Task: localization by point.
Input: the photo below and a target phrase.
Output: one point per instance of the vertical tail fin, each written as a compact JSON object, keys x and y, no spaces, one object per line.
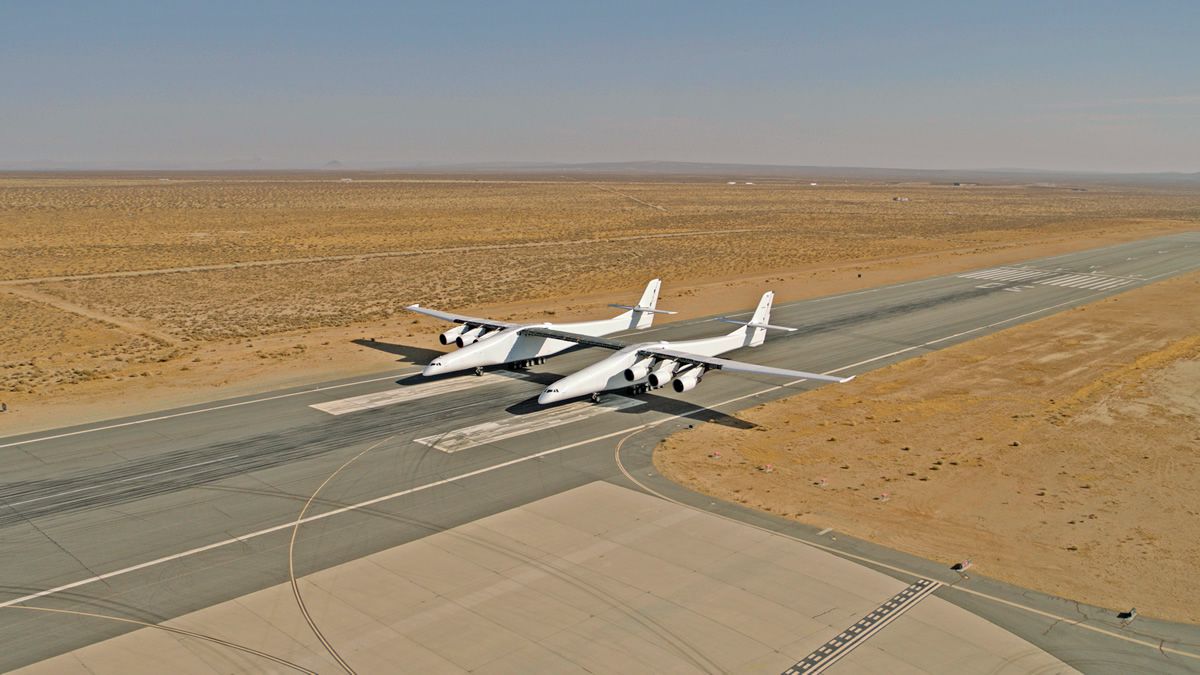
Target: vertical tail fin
{"x":649,"y":300}
{"x":642,"y":314}
{"x":753,"y":332}
{"x":762,"y":316}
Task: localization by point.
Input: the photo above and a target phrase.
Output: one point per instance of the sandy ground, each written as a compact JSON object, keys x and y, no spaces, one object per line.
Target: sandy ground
{"x":122,"y":294}
{"x":148,"y":373}
{"x":1059,"y":455}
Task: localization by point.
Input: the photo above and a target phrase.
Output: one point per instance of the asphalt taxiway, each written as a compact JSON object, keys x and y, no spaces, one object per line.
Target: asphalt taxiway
{"x":158,"y":515}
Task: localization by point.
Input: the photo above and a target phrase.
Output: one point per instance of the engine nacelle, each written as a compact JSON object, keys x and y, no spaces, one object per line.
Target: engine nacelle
{"x":469,"y":336}
{"x":687,"y":380}
{"x":450,"y":335}
{"x":639,"y":369}
{"x":663,"y":373}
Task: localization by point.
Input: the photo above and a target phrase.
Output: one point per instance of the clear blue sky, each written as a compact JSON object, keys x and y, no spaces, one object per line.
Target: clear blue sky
{"x":1086,"y":85}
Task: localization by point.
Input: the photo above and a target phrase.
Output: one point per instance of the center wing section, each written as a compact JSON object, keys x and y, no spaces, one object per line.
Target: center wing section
{"x":585,"y":340}
{"x":713,"y":363}
{"x":460,"y":318}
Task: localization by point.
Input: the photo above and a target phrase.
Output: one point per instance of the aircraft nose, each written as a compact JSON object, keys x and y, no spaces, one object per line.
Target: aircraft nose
{"x":550,"y":396}
{"x":434,"y":368}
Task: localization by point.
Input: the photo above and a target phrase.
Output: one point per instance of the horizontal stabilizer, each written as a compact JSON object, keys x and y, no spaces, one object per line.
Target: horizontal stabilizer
{"x":649,"y":310}
{"x":755,"y":325}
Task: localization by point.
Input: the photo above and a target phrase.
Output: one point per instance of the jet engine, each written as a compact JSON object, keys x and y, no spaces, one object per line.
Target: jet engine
{"x":639,"y":369}
{"x":663,"y":373}
{"x":469,"y":336}
{"x":688,"y":379}
{"x":449,"y":336}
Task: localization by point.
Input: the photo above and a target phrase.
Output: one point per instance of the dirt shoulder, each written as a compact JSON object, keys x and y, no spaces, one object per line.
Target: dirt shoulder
{"x":1060,"y":455}
{"x":156,"y":376}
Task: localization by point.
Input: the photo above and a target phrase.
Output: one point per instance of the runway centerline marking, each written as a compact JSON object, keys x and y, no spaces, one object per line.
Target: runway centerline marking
{"x":492,"y":432}
{"x":401,"y":394}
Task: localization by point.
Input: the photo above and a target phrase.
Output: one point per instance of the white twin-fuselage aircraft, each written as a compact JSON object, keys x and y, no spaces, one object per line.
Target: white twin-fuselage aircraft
{"x":650,"y":365}
{"x":637,"y":367}
{"x":484,"y":342}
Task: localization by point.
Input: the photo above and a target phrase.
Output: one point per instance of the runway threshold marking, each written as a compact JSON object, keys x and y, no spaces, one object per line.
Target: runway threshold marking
{"x":401,"y":394}
{"x":1007,"y":274}
{"x":491,"y":432}
{"x":242,"y":539}
{"x":1087,"y":281}
{"x":848,"y":640}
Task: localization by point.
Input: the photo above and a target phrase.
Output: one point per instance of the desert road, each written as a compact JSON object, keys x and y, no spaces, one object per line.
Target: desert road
{"x":155,"y":516}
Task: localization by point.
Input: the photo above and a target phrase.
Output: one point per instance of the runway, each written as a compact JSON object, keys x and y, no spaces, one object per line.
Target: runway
{"x":158,"y":515}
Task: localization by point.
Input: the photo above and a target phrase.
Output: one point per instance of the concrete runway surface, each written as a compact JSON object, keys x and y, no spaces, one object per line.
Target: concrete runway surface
{"x":156,"y":516}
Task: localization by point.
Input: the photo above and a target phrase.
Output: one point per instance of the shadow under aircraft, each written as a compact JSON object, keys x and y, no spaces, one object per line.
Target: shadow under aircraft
{"x":649,"y":402}
{"x":416,"y":355}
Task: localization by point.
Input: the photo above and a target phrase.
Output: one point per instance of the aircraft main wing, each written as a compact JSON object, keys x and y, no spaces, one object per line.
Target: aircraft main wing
{"x":460,"y":318}
{"x":585,"y":340}
{"x":714,"y":363}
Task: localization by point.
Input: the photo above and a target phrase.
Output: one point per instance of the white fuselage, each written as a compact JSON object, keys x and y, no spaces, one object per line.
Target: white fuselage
{"x":509,"y":345}
{"x":610,"y":373}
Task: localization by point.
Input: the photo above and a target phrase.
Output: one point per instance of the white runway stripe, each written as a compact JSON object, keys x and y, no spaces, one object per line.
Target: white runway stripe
{"x":1086,"y":281}
{"x":1006,"y":274}
{"x":405,"y":393}
{"x":490,"y":432}
{"x":1066,"y":280}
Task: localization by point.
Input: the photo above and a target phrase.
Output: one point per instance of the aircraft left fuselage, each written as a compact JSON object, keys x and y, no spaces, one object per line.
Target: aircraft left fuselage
{"x":488,"y":342}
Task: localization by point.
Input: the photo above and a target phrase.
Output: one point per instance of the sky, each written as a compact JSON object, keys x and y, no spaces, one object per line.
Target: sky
{"x":1092,"y":86}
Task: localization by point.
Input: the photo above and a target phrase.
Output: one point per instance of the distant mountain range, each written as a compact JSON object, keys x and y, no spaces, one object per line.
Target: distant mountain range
{"x":638,"y":168}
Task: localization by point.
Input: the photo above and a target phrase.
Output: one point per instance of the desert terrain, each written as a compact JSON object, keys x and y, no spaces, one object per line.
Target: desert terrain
{"x":122,"y":293}
{"x":1060,"y":455}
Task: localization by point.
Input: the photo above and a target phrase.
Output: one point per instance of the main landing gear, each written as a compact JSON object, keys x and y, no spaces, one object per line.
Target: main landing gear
{"x":479,"y":371}
{"x":522,"y":365}
{"x":595,"y":397}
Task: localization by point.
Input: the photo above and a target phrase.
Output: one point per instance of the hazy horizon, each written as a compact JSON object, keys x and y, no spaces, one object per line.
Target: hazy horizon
{"x":1094,"y":87}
